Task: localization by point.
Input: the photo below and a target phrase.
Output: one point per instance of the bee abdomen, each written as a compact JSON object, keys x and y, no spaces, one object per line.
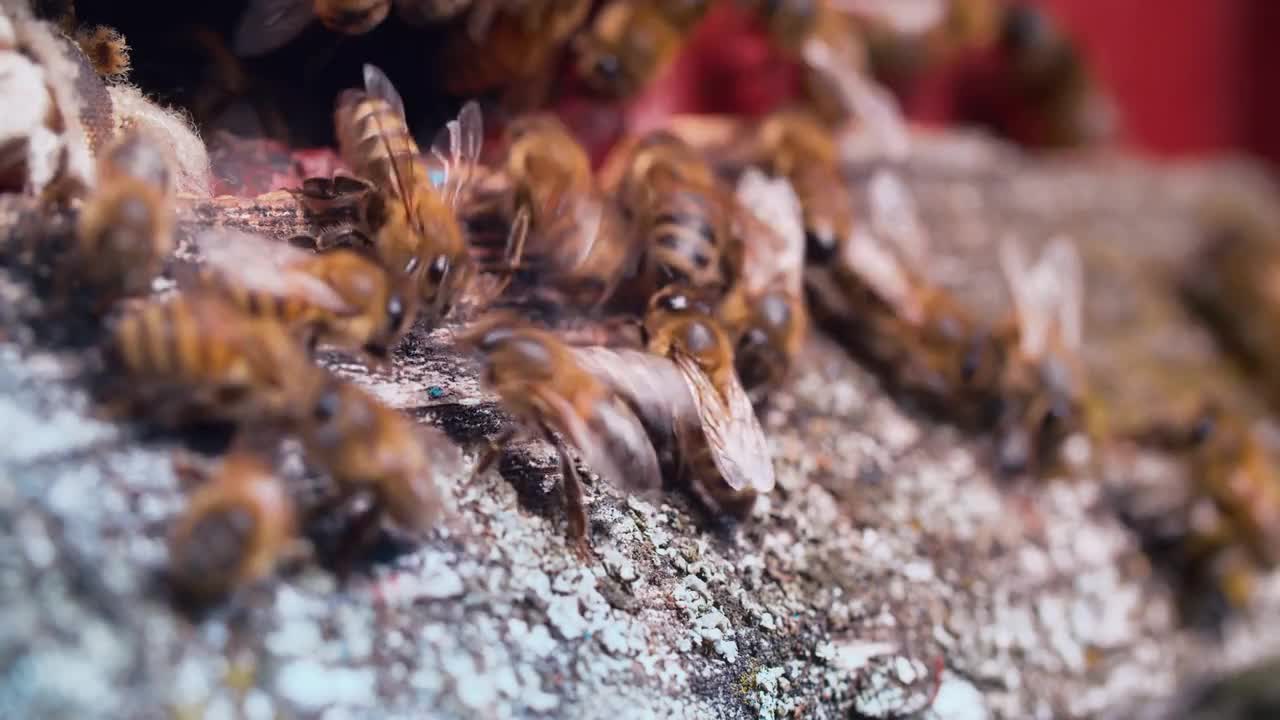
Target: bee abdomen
{"x":210,"y":556}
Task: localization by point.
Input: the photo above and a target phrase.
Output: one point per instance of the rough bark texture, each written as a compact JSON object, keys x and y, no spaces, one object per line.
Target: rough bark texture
{"x":890,"y":569}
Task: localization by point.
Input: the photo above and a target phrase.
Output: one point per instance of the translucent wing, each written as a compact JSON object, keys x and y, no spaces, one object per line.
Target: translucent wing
{"x":269,"y":24}
{"x":651,"y":384}
{"x":1059,"y":281}
{"x":882,"y":271}
{"x":895,"y":217}
{"x":909,"y":17}
{"x":457,"y":150}
{"x":778,"y":251}
{"x":1033,"y":322}
{"x":378,"y":85}
{"x":732,"y":431}
{"x":871,"y":104}
{"x":622,"y":437}
{"x":255,"y":263}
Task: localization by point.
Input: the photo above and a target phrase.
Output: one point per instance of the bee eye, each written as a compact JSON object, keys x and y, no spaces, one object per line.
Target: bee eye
{"x":326,"y":407}
{"x":439,"y":268}
{"x":395,"y":311}
{"x":675,"y":303}
{"x":607,"y":68}
{"x":819,"y":246}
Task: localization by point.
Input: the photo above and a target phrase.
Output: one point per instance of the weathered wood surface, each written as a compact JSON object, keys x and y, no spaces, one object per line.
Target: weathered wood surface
{"x":889,"y":557}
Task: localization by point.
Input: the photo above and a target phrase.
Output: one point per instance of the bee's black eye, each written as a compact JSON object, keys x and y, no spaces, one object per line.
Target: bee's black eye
{"x":326,"y":407}
{"x":439,"y":268}
{"x":820,"y":246}
{"x":607,"y":68}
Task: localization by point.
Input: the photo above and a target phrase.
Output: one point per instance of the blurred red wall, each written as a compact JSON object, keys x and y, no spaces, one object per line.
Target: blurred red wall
{"x":1187,"y":75}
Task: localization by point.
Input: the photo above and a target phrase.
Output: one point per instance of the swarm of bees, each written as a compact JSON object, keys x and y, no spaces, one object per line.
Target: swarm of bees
{"x":635,"y":318}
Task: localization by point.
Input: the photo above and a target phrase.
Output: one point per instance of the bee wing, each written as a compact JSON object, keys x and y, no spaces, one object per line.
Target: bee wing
{"x":1024,"y":291}
{"x":268,"y":24}
{"x":650,"y":384}
{"x":870,"y":103}
{"x":1059,"y":279}
{"x":882,"y":270}
{"x":622,"y":437}
{"x":378,"y":85}
{"x":779,"y":249}
{"x":457,"y":149}
{"x":909,"y":17}
{"x":894,"y":216}
{"x":732,"y":430}
{"x":255,"y":263}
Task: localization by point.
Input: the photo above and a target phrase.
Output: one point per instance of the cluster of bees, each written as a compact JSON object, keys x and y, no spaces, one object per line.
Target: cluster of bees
{"x":634,"y":317}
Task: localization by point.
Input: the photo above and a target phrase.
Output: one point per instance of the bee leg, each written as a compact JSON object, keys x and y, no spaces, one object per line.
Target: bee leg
{"x":574,"y":502}
{"x":496,"y":446}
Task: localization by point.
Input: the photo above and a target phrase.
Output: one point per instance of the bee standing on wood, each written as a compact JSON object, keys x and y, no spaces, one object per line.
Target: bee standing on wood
{"x":235,"y":529}
{"x":125,"y":230}
{"x":339,"y":297}
{"x":540,"y":382}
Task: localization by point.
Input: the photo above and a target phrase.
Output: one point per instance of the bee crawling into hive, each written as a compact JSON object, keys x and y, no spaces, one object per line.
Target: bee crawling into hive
{"x":541,"y":382}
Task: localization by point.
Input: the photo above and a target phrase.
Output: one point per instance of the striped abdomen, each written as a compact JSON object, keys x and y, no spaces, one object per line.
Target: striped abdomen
{"x":683,"y":238}
{"x":371,"y":134}
{"x":183,"y":340}
{"x":295,"y":313}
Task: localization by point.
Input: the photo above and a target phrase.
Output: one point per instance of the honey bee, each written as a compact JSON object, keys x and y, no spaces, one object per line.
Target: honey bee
{"x":717,"y":447}
{"x":1043,"y":384}
{"x":198,"y":358}
{"x":510,"y":46}
{"x":341,"y":297}
{"x":795,"y":145}
{"x":234,"y":531}
{"x":540,"y":383}
{"x":579,"y":244}
{"x":412,"y":222}
{"x":916,"y":334}
{"x":370,"y":449}
{"x":1231,"y":470}
{"x":630,"y":43}
{"x":269,"y":24}
{"x":681,"y":213}
{"x":765,"y":309}
{"x":125,"y":230}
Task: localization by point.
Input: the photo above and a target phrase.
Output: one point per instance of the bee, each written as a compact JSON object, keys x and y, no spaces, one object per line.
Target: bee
{"x":412,"y":222}
{"x":924,"y":343}
{"x":234,"y":531}
{"x":269,"y":24}
{"x":510,"y":46}
{"x":765,"y":310}
{"x":198,"y":358}
{"x":370,"y":449}
{"x":1043,"y":384}
{"x":539,"y":381}
{"x":723,"y":453}
{"x":580,"y":243}
{"x":124,"y":232}
{"x":794,"y":144}
{"x":630,"y":43}
{"x":1232,"y":521}
{"x":681,"y":213}
{"x":340,"y":298}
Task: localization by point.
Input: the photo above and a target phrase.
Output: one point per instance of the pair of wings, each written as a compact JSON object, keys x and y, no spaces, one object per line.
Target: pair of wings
{"x":668,"y":394}
{"x":455,"y":153}
{"x":1048,"y":295}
